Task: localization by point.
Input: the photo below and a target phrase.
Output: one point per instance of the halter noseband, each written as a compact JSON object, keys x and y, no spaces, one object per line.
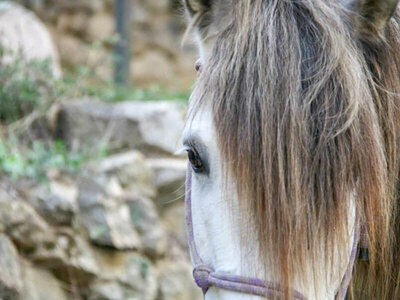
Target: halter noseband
{"x":205,"y":277}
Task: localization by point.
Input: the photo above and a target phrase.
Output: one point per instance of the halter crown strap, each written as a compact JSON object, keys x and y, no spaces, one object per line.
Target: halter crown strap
{"x":205,"y":277}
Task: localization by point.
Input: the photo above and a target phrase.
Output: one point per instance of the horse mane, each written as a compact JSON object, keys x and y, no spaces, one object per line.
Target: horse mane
{"x":307,"y":113}
{"x":379,"y":279}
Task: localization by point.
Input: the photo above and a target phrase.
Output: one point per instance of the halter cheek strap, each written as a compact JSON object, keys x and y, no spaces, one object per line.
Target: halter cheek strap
{"x":205,"y":277}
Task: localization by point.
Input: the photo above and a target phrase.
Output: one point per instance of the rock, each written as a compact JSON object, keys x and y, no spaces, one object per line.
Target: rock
{"x":46,"y":8}
{"x":114,"y":290}
{"x":10,"y":270}
{"x":112,"y":186}
{"x":62,"y":251}
{"x":156,"y":28}
{"x":105,"y":219}
{"x":107,"y":290}
{"x":39,"y":284}
{"x":117,"y":234}
{"x":124,"y":276}
{"x":145,"y":218}
{"x":81,"y":262}
{"x":24,"y":36}
{"x":131,"y":170}
{"x":169,"y":178}
{"x":76,"y":23}
{"x":72,"y":50}
{"x":173,"y":220}
{"x":142,"y":68}
{"x":157,"y":5}
{"x":48,"y":253}
{"x":100,"y":27}
{"x":154,"y":127}
{"x":56,"y":202}
{"x":100,"y":62}
{"x":75,"y":264}
{"x":123,"y":235}
{"x":141,"y":15}
{"x":92,"y":215}
{"x":25,"y":227}
{"x":77,"y":52}
{"x":176,"y":283}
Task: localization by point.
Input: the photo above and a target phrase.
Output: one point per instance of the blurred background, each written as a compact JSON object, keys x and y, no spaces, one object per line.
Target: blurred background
{"x":93,"y":95}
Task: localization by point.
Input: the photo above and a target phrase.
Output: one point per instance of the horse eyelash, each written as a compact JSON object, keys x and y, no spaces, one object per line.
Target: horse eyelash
{"x":182,"y":150}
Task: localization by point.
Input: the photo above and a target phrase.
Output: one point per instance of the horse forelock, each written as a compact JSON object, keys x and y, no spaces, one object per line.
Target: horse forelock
{"x":305,"y":114}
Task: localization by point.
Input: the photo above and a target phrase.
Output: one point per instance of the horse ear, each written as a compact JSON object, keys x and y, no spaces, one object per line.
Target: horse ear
{"x":194,"y":7}
{"x":208,"y":16}
{"x":373,"y":15}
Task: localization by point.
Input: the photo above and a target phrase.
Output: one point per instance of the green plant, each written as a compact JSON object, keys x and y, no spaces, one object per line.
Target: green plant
{"x":35,"y":160}
{"x":28,"y":89}
{"x":24,"y":86}
{"x":110,"y":92}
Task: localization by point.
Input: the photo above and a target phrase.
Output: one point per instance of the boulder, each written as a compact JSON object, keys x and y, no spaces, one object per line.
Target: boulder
{"x":23,"y":35}
{"x":106,"y":219}
{"x":10,"y":270}
{"x":154,"y":127}
{"x":176,"y":281}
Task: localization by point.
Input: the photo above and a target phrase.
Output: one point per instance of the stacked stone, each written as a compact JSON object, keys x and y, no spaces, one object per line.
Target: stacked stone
{"x":84,"y":30}
{"x":115,"y":233}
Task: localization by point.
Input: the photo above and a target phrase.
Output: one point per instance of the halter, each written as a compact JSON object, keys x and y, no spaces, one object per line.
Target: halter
{"x":205,"y":277}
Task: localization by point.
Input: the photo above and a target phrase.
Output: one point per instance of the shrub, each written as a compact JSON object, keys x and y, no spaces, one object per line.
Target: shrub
{"x":36,"y":159}
{"x":24,"y":86}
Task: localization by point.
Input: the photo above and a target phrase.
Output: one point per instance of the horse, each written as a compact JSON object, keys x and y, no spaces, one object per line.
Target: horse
{"x":293,"y":139}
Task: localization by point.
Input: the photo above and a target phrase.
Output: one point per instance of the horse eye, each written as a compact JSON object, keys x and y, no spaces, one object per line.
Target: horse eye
{"x":197,"y":66}
{"x":195,"y":161}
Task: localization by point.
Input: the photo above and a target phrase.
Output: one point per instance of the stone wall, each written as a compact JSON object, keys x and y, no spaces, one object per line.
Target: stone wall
{"x":83,"y":32}
{"x":113,"y":231}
